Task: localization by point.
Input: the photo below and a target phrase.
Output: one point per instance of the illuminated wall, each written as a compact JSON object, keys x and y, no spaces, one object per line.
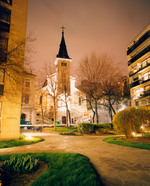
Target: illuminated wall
{"x":138,"y":55}
{"x":13,"y":31}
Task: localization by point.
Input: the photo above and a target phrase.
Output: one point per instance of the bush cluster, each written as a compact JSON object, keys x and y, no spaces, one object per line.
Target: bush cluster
{"x":129,"y":120}
{"x":89,"y":128}
{"x":21,"y":164}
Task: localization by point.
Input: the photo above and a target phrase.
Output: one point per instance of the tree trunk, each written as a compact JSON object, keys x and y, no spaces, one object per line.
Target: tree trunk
{"x":54,"y":113}
{"x":93,"y":116}
{"x":96,"y":112}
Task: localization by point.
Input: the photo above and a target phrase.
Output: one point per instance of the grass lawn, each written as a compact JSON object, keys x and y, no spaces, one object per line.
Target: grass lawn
{"x":65,"y":169}
{"x":20,"y":142}
{"x":126,"y":143}
{"x":62,"y":129}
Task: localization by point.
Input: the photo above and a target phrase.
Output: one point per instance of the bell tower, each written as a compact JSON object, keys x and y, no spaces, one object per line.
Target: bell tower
{"x":62,"y":63}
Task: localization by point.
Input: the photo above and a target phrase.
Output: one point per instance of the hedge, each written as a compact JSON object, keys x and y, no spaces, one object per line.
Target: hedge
{"x":129,"y":120}
{"x":89,"y":128}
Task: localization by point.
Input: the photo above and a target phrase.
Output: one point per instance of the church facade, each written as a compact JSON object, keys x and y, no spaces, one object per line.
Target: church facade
{"x":59,"y":99}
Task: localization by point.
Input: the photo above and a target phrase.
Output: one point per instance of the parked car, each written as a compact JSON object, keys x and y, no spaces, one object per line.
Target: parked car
{"x":22,"y":122}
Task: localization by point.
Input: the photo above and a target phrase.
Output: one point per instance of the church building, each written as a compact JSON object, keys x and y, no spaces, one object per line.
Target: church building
{"x":59,"y":98}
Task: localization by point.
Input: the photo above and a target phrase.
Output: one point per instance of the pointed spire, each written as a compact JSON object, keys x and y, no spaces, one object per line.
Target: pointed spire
{"x":62,"y":49}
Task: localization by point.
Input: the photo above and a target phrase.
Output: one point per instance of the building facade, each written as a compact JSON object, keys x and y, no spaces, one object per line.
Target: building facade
{"x":13,"y":21}
{"x":138,"y":55}
{"x":28,"y":110}
{"x":59,"y":96}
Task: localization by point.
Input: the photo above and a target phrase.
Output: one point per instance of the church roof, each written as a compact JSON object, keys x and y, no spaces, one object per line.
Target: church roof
{"x":62,"y":49}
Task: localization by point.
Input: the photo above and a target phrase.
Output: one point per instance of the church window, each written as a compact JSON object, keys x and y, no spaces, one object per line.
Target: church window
{"x":80,"y":101}
{"x":41,"y":97}
{"x":63,"y":64}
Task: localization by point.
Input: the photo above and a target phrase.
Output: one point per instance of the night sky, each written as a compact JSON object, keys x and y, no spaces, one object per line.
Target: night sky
{"x":102,"y":26}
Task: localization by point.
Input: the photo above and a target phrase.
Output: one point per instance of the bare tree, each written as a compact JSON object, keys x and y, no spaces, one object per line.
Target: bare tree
{"x":99,"y":79}
{"x":12,"y":64}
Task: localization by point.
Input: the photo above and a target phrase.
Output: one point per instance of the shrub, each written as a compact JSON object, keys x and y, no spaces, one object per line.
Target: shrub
{"x":20,"y":164}
{"x":129,"y":120}
{"x":89,"y":128}
{"x":86,"y":128}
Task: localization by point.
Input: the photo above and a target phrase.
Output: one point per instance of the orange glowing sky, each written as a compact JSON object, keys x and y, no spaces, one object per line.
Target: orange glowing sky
{"x":91,"y":25}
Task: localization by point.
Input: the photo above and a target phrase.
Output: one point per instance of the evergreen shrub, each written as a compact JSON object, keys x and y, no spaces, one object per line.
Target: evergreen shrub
{"x":129,"y":120}
{"x":89,"y":128}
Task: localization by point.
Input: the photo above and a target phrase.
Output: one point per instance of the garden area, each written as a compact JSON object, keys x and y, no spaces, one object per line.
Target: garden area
{"x":57,"y":169}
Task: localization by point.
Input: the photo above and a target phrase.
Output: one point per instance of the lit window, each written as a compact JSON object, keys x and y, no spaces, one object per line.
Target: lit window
{"x":146,"y":76}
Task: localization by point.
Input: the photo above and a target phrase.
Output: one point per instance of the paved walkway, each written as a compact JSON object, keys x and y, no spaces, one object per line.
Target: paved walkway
{"x":117,"y":165}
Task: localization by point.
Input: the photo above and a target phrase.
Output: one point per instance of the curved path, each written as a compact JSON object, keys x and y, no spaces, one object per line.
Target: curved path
{"x":117,"y":165}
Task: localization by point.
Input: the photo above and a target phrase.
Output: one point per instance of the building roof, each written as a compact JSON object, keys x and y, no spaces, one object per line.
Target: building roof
{"x":62,"y":49}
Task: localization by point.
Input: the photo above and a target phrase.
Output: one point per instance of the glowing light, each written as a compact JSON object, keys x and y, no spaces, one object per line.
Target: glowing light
{"x":142,"y":127}
{"x":28,"y":137}
{"x":133,"y":133}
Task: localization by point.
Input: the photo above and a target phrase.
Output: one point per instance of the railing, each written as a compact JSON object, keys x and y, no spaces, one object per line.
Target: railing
{"x":145,"y":93}
{"x":131,"y":73}
{"x":139,"y":81}
{"x":140,"y":54}
{"x":141,"y":40}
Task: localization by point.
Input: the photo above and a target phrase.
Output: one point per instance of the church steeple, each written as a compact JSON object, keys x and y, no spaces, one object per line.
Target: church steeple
{"x":62,"y":49}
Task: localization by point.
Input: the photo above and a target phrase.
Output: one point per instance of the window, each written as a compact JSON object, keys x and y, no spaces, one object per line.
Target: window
{"x":2,"y":74}
{"x":26,"y":98}
{"x":5,"y":14}
{"x":63,"y":64}
{"x":80,"y":101}
{"x":146,"y":76}
{"x":27,"y":84}
{"x":7,"y":1}
{"x":3,"y":48}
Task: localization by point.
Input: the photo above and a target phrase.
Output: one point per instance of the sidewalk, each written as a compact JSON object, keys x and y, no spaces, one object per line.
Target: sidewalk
{"x":117,"y":165}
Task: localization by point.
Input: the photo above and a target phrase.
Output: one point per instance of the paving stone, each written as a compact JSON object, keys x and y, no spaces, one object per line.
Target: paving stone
{"x":117,"y":165}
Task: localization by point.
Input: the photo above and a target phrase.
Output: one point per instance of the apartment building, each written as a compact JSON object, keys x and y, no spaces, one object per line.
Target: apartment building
{"x":138,"y":55}
{"x":13,"y":21}
{"x":28,"y":98}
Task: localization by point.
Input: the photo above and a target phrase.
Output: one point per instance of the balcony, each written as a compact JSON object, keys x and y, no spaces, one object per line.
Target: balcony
{"x":145,"y":93}
{"x":141,"y":40}
{"x":135,"y":83}
{"x":139,"y":81}
{"x":131,"y":73}
{"x":140,"y":54}
{"x":7,"y":1}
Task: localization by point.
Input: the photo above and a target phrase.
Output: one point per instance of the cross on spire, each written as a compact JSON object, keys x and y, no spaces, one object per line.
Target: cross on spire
{"x":63,"y":28}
